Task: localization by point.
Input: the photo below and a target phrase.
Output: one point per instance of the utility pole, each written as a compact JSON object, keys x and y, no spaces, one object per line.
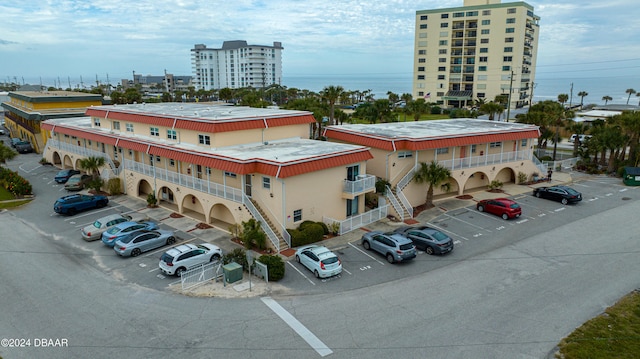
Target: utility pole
{"x":531,"y":96}
{"x":571,"y":96}
{"x":509,"y":97}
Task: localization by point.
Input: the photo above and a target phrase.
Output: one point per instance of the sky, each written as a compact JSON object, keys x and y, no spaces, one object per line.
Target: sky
{"x":44,"y":41}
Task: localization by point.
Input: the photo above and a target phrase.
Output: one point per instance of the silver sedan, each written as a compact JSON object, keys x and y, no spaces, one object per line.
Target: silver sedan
{"x":136,"y":243}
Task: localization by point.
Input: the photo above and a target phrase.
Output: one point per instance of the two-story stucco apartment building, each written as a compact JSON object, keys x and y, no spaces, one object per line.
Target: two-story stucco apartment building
{"x":222,"y":164}
{"x":227,"y":164}
{"x":476,"y":152}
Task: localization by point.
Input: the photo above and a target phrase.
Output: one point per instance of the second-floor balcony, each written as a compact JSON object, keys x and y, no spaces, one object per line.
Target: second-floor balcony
{"x":486,"y":160}
{"x":363,"y":184}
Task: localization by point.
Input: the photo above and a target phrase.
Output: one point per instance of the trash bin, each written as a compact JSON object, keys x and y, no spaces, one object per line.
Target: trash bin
{"x":232,"y":272}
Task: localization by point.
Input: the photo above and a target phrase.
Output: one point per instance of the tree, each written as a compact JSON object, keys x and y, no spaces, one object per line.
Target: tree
{"x":417,"y":108}
{"x":92,"y":165}
{"x":432,"y":174}
{"x":6,"y":153}
{"x":578,"y":128}
{"x":226,"y":94}
{"x":582,"y":95}
{"x":492,"y":108}
{"x":630,"y":92}
{"x":331,"y":94}
{"x":559,"y":116}
{"x":606,"y":99}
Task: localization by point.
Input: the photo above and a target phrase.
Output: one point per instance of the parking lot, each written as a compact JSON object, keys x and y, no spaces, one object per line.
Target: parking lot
{"x":475,"y":234}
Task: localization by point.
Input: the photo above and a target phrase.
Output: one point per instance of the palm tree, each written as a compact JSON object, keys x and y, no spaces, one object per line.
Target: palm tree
{"x":630,"y":92}
{"x":558,"y":118}
{"x":92,"y":165}
{"x":492,"y":108}
{"x":578,"y":128}
{"x":582,"y":95}
{"x":606,"y":99}
{"x":6,"y":153}
{"x":417,"y":108}
{"x":432,"y":174}
{"x":638,"y":95}
{"x":331,"y":94}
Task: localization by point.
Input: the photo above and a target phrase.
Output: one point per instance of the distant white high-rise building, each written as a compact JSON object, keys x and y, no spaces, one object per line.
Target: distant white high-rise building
{"x":478,"y":51}
{"x":236,"y":65}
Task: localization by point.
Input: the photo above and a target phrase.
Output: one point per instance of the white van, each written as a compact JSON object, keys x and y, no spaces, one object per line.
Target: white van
{"x":582,"y":138}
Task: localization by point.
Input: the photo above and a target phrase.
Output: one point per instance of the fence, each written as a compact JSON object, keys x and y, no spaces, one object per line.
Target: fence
{"x":198,"y":275}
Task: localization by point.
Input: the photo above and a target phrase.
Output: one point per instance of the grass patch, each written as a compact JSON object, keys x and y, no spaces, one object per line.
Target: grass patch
{"x":5,"y":195}
{"x":613,"y":334}
{"x":13,"y":204}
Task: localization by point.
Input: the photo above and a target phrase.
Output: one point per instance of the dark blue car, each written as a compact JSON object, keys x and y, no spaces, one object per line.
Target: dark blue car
{"x":75,"y":203}
{"x":64,"y":175}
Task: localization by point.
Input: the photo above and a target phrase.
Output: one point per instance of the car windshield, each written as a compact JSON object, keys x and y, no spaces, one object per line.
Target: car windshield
{"x":202,"y":247}
{"x":330,"y":260}
{"x":439,"y":236}
{"x":406,"y":246}
{"x":514,"y":206}
{"x":97,"y":224}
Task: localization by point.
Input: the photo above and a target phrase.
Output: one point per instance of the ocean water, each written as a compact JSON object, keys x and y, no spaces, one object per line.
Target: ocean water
{"x":545,"y":88}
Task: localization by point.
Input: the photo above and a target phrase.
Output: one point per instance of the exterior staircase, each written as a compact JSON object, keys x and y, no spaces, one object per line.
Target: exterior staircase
{"x":407,"y":210}
{"x":267,"y":221}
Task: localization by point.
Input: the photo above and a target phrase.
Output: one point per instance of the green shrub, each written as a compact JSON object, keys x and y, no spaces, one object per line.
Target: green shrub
{"x":298,"y":237}
{"x":305,"y":224}
{"x":113,"y":186}
{"x":252,"y":234}
{"x":95,"y":184}
{"x":237,"y":255}
{"x":314,"y":232}
{"x":275,"y":266}
{"x":381,"y":186}
{"x":495,"y":184}
{"x":522,"y":177}
{"x":14,"y":183}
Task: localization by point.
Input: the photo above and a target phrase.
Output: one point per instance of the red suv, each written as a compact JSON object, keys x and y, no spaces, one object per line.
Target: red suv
{"x":502,"y":207}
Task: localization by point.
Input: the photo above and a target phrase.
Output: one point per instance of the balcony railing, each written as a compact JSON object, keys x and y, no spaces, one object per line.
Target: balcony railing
{"x":83,"y":152}
{"x":357,"y":221}
{"x":364,"y":183}
{"x":477,"y":161}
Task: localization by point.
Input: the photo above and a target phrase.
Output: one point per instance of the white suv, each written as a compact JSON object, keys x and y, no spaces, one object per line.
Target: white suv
{"x":186,"y":256}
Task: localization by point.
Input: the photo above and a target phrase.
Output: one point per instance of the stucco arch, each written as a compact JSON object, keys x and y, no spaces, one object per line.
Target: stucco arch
{"x":144,"y":188}
{"x":222,"y":216}
{"x":56,"y":160}
{"x":192,"y":206}
{"x":67,"y":162}
{"x":476,"y":181}
{"x":506,"y":175}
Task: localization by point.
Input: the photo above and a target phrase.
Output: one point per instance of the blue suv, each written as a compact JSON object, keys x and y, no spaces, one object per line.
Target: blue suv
{"x":75,"y":203}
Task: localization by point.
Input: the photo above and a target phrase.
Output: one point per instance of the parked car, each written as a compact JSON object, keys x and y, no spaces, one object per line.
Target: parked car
{"x":581,"y":138}
{"x":428,"y":239}
{"x":64,"y":175}
{"x":121,"y":230}
{"x":94,"y":231}
{"x":23,"y":147}
{"x":137,"y":242}
{"x":319,"y":260}
{"x":394,"y":246}
{"x":77,"y":182}
{"x":15,"y":141}
{"x":75,"y":203}
{"x":2,"y":131}
{"x":502,"y":207}
{"x":186,"y":256}
{"x":563,"y":194}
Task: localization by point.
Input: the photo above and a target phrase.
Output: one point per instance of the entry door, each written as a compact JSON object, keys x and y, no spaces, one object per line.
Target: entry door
{"x":247,"y":185}
{"x":353,"y":172}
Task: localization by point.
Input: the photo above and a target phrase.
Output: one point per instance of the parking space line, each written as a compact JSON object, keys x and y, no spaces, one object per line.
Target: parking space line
{"x":302,"y":274}
{"x":346,"y":271}
{"x":447,"y":231}
{"x":85,"y":214}
{"x":365,"y":253}
{"x":469,"y":223}
{"x":295,"y":324}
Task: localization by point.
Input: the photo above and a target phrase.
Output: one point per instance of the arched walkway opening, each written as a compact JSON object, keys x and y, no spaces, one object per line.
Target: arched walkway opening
{"x":221,"y":216}
{"x":192,"y":207}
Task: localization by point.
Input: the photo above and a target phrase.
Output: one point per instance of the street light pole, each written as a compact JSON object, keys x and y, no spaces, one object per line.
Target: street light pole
{"x":509,"y":97}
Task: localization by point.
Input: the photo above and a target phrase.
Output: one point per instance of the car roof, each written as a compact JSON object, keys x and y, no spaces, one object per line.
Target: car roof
{"x":181,"y":249}
{"x":125,"y":224}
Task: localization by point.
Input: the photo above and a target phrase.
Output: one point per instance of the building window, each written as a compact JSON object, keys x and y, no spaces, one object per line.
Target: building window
{"x":511,"y":20}
{"x":484,"y":50}
{"x":511,"y":10}
{"x":444,"y":16}
{"x":472,"y":13}
{"x":96,"y":122}
{"x":481,"y":86}
{"x":116,"y":125}
{"x":510,"y":30}
{"x":172,"y":135}
{"x":507,"y":58}
{"x":441,"y":151}
{"x":266,"y":182}
{"x":508,"y":39}
{"x":524,"y":143}
{"x":442,"y":68}
{"x":422,"y":61}
{"x":154,"y":131}
{"x":297,"y":215}
{"x":444,"y":33}
{"x":443,"y":42}
{"x":441,"y":77}
{"x":442,"y":59}
{"x":482,"y":68}
{"x":458,"y":14}
{"x":444,"y":24}
{"x":440,"y":94}
{"x":422,"y":52}
{"x":495,"y":144}
{"x":158,"y":158}
{"x":481,"y":95}
{"x":230,"y":174}
{"x":473,"y":148}
{"x":486,"y":12}
{"x":423,"y":17}
{"x":484,"y":41}
{"x":483,"y":59}
{"x":423,"y":26}
{"x":405,"y":154}
{"x":485,"y":22}
{"x":506,"y":68}
{"x":482,"y":77}
{"x":204,"y":140}
{"x":129,"y":127}
{"x":421,"y":68}
{"x":442,"y":51}
{"x":484,"y":32}
{"x":172,"y":162}
{"x":420,"y":77}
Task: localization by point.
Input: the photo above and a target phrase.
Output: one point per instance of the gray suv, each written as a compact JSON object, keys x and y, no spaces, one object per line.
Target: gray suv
{"x":394,"y":246}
